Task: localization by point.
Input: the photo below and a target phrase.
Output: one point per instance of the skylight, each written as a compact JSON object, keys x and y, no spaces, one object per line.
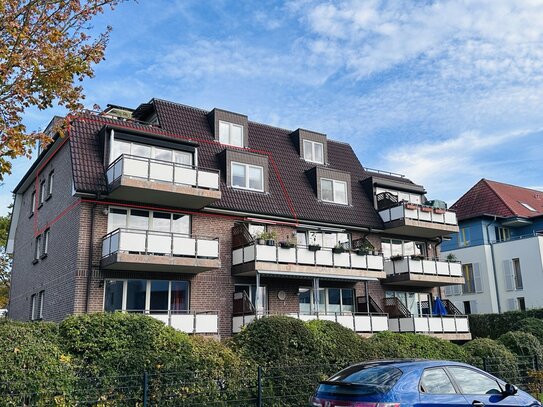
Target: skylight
{"x":528,"y":207}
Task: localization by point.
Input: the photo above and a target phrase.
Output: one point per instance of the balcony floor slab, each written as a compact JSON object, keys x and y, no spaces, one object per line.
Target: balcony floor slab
{"x":422,"y":280}
{"x":419,"y":228}
{"x":147,"y":262}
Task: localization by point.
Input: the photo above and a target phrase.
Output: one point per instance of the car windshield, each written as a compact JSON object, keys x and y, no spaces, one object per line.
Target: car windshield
{"x":362,"y":380}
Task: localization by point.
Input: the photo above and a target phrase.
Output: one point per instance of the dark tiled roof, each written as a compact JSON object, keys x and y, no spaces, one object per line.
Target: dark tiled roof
{"x":498,"y":199}
{"x":290,"y":188}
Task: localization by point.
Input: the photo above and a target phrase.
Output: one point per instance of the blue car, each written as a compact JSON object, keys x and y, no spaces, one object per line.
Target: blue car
{"x":417,"y":383}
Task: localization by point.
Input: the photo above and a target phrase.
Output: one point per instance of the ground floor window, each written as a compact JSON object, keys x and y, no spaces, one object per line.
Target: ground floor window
{"x":331,"y":300}
{"x":250,"y":294}
{"x":156,"y":296}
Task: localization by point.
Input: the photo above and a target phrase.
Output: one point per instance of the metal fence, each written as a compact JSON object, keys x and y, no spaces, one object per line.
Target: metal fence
{"x":260,"y":387}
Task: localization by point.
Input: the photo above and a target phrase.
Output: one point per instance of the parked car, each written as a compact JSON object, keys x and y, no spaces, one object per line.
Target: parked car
{"x":417,"y":383}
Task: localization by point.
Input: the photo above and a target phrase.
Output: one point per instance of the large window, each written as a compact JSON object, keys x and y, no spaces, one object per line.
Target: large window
{"x":148,"y":220}
{"x":323,"y":239}
{"x":334,"y":191}
{"x":472,"y":278}
{"x":250,"y":292}
{"x":247,"y":176}
{"x":121,"y":147}
{"x":331,"y":300}
{"x":154,"y":296}
{"x":464,"y":237}
{"x":502,"y":234}
{"x":313,"y":151}
{"x":230,"y":133}
{"x":396,"y":247}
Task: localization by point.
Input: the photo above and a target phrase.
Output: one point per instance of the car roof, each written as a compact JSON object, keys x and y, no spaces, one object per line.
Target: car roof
{"x":421,"y":363}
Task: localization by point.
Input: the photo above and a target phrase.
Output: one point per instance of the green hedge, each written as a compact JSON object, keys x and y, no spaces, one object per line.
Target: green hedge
{"x":522,"y":344}
{"x":531,"y":325}
{"x":486,"y":352}
{"x":495,"y":325}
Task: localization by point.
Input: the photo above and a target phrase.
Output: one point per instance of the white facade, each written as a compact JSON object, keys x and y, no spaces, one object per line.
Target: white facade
{"x":493,"y":270}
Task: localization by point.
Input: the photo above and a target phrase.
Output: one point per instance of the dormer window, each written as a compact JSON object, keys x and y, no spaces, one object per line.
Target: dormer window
{"x":230,"y":133}
{"x":313,"y":151}
{"x":334,"y":191}
{"x":247,"y":176}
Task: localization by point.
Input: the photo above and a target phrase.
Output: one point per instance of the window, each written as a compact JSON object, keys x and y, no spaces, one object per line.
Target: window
{"x":41,"y":295}
{"x":42,"y":192}
{"x":401,"y":195}
{"x":395,"y":247}
{"x":331,"y":300}
{"x":250,"y":292}
{"x":464,"y":237}
{"x":121,"y":147}
{"x":255,"y":230}
{"x":472,"y":279}
{"x":37,"y":249}
{"x":323,"y":239}
{"x":247,"y":176}
{"x":33,"y":307}
{"x":33,"y":203}
{"x":502,"y":234}
{"x":230,"y":133}
{"x":472,"y":382}
{"x":155,"y":296}
{"x":436,"y":381}
{"x":334,"y":191}
{"x":148,"y":220}
{"x":45,"y":243}
{"x":517,"y":274}
{"x":530,"y":208}
{"x":50,"y":183}
{"x":521,"y":304}
{"x":313,"y":151}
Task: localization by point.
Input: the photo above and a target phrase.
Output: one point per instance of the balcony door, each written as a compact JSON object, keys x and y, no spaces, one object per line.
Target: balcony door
{"x":250,"y":293}
{"x":331,"y":300}
{"x":416,"y":303}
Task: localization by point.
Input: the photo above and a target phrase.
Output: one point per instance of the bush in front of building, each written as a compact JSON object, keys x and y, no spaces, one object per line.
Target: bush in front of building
{"x":494,"y":356}
{"x":531,"y":325}
{"x":523,"y":344}
{"x":337,"y":345}
{"x":33,"y":367}
{"x":391,"y":345}
{"x":494,"y":325}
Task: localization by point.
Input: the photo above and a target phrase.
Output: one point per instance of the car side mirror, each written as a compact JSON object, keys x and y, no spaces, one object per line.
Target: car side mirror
{"x":510,"y":389}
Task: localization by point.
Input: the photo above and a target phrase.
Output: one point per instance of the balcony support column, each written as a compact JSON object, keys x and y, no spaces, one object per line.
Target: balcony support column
{"x":316,"y":295}
{"x":257,"y":294}
{"x":367,"y":294}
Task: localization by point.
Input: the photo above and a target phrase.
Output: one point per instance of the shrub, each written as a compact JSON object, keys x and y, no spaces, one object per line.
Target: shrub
{"x":498,"y":360}
{"x":336,"y":345}
{"x":495,"y":325}
{"x":390,"y":345}
{"x":523,"y":344}
{"x":30,"y":362}
{"x":533,"y":326}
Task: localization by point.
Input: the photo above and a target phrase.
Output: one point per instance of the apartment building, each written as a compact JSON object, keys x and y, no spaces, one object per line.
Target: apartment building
{"x":500,"y":244}
{"x":206,"y":221}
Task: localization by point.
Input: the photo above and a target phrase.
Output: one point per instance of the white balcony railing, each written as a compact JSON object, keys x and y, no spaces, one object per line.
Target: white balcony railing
{"x":191,"y":322}
{"x":165,"y":171}
{"x":324,"y":257}
{"x":418,"y":212}
{"x":159,"y":243}
{"x":358,"y":322}
{"x":436,"y":324}
{"x":423,"y":266}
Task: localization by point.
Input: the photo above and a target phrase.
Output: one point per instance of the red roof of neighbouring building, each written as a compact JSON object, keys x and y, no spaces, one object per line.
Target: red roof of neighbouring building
{"x":498,"y":199}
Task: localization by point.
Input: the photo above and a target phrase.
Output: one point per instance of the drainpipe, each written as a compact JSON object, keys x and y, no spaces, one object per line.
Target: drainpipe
{"x":494,"y":265}
{"x":91,"y":255}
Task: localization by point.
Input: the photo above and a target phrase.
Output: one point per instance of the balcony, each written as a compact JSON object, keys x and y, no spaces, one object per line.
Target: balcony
{"x":190,"y":322}
{"x":362,"y":323}
{"x":422,"y":272}
{"x":300,"y":260}
{"x":454,"y":327}
{"x":145,"y":250}
{"x":417,"y":220}
{"x":154,"y":181}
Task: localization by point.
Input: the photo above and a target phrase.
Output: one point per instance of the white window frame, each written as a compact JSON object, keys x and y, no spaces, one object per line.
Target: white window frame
{"x":50,"y":183}
{"x":152,"y":151}
{"x":33,"y":202}
{"x":150,"y":220}
{"x":147,"y":293}
{"x":247,"y":168}
{"x":45,"y":241}
{"x":324,"y":291}
{"x":37,"y":249}
{"x":229,"y":137}
{"x":33,"y":305}
{"x":41,"y":296}
{"x":42,"y":192}
{"x":312,"y":147}
{"x":334,"y":191}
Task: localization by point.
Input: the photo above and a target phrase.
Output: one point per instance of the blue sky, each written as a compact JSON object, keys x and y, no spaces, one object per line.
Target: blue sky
{"x":446,"y":92}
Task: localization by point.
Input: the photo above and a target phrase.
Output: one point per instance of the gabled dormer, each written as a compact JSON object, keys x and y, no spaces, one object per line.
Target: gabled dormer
{"x":332,"y":186}
{"x":229,"y":127}
{"x":311,"y":146}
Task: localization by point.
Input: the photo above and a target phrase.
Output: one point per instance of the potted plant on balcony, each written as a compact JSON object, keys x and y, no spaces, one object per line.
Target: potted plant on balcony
{"x":439,"y":211}
{"x":269,"y":237}
{"x":287,"y":244}
{"x":417,"y":257}
{"x":313,"y":246}
{"x":338,"y":248}
{"x":410,"y":206}
{"x":426,"y":208}
{"x":261,"y":238}
{"x":451,"y":258}
{"x":396,"y":257}
{"x":365,"y":248}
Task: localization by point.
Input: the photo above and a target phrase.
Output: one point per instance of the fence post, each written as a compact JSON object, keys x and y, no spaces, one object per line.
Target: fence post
{"x":536,"y":362}
{"x":259,"y":388}
{"x":485,"y":366}
{"x":145,"y":388}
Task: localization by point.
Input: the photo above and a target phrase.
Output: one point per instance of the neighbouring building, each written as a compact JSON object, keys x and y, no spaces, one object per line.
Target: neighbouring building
{"x":500,"y":245}
{"x":206,"y":221}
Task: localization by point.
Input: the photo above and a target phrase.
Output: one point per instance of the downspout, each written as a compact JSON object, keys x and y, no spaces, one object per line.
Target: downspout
{"x":494,"y":265}
{"x":91,"y":255}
